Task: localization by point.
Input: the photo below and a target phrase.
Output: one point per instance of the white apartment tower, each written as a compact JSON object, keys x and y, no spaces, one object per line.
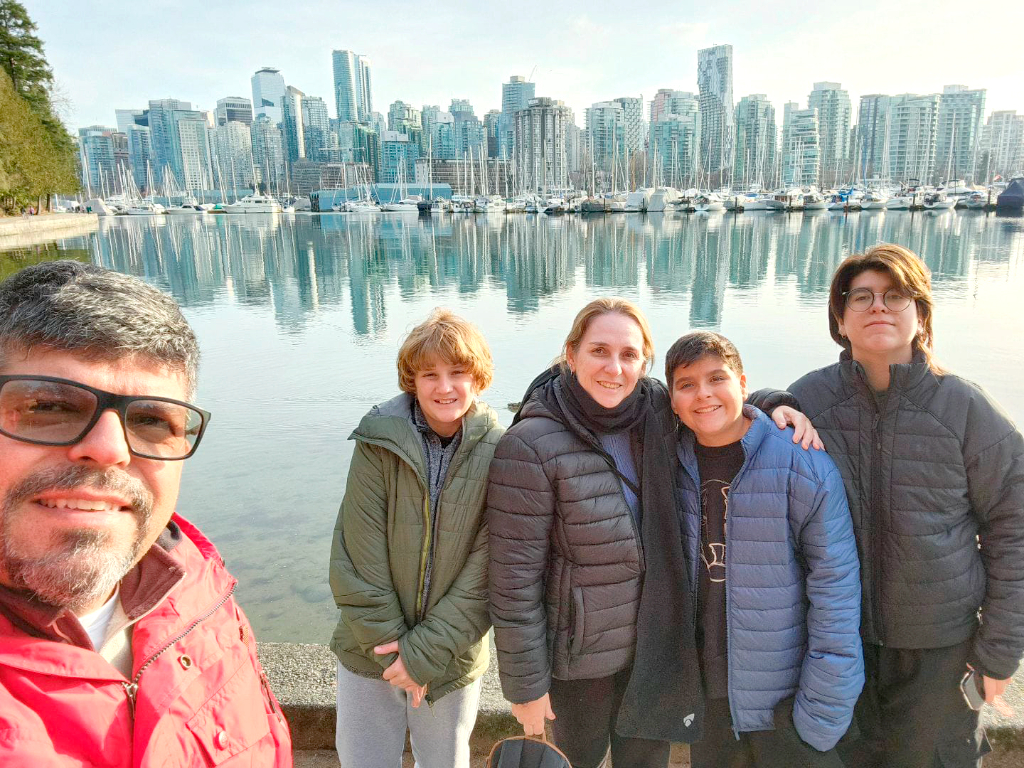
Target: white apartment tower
{"x":834,"y":111}
{"x":1003,"y":145}
{"x":871,"y":153}
{"x":801,"y":156}
{"x":958,"y":142}
{"x":714,"y":82}
{"x":913,"y":125}
{"x":756,"y":142}
{"x":540,"y":148}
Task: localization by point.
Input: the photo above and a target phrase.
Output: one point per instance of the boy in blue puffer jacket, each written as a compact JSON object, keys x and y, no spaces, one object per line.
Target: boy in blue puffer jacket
{"x":771,"y":549}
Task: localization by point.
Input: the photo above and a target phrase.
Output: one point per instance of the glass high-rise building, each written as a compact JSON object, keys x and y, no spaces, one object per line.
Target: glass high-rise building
{"x":268,"y":153}
{"x":674,"y":146}
{"x":402,"y":116}
{"x":540,"y":144}
{"x":316,"y":127}
{"x":834,"y":111}
{"x":352,"y":87}
{"x":233,"y":151}
{"x":756,"y":142}
{"x":291,"y":125}
{"x":99,"y":170}
{"x":958,"y":142}
{"x":913,"y":126}
{"x":1003,"y":143}
{"x":515,"y":95}
{"x":233,"y":109}
{"x":801,"y":156}
{"x":871,"y":153}
{"x":268,"y":93}
{"x":140,"y":153}
{"x":714,"y":82}
{"x":605,"y":123}
{"x":129,"y":117}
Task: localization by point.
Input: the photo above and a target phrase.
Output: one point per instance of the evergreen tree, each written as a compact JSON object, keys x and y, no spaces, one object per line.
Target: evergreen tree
{"x":21,"y":56}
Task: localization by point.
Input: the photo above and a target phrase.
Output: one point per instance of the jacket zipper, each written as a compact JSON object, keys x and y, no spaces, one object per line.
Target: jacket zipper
{"x":876,"y":527}
{"x":429,"y":527}
{"x":132,"y":689}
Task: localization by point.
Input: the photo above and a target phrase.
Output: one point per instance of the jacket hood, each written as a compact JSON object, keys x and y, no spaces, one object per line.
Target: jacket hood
{"x":390,"y":425}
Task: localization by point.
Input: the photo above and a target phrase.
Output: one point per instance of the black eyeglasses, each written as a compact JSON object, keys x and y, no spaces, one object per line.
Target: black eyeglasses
{"x":49,"y":411}
{"x":861,"y":299}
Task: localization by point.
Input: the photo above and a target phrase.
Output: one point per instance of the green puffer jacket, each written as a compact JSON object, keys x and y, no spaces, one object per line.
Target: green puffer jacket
{"x":382,"y":542}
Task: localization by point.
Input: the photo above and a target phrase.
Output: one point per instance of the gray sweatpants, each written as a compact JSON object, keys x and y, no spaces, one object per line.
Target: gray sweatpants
{"x":373,"y":717}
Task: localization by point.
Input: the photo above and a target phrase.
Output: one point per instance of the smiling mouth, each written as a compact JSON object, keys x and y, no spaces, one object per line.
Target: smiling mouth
{"x":447,"y":402}
{"x":81,"y":505}
{"x":608,"y":385}
{"x":707,"y":409}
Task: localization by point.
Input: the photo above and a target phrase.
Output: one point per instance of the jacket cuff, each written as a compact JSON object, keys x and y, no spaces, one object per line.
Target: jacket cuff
{"x":996,"y":669}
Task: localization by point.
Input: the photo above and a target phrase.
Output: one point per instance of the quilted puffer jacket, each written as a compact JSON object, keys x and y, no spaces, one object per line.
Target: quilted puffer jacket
{"x":935,"y":470}
{"x":198,"y":695}
{"x":792,"y":581}
{"x":566,"y":561}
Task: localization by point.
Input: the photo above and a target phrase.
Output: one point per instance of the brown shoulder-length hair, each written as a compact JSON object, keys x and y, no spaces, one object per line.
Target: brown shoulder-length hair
{"x":907,"y":272}
{"x":603,"y":306}
{"x":450,"y":338}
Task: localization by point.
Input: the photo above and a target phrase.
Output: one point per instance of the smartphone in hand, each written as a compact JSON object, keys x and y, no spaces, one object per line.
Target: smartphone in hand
{"x":973,"y":687}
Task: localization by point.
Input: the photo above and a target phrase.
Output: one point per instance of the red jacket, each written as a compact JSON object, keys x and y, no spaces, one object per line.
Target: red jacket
{"x":201,"y":697}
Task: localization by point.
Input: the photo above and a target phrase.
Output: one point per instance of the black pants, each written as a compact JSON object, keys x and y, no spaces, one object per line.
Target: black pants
{"x":584,"y":725}
{"x":912,"y":713}
{"x":781,"y":748}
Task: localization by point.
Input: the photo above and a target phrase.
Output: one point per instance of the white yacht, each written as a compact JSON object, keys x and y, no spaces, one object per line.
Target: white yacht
{"x":937,"y":201}
{"x":360,"y":206}
{"x":874,"y":200}
{"x":786,"y":200}
{"x":405,"y":205}
{"x":462,"y":204}
{"x":814,"y":200}
{"x":188,"y":207}
{"x":708,"y":203}
{"x":490,"y":204}
{"x":254,"y":204}
{"x":145,"y":207}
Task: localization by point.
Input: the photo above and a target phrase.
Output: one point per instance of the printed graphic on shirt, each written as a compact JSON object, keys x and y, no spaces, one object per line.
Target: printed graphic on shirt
{"x":712,"y":549}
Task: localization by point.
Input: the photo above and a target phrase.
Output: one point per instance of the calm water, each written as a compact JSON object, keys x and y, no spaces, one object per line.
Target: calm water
{"x":300,"y":318}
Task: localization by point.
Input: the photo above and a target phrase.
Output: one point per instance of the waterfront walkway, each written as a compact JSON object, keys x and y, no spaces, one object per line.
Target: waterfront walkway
{"x":303,"y":677}
{"x":26,"y":231}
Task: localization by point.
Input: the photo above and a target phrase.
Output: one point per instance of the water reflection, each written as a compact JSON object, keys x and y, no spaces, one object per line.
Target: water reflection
{"x":299,"y":318}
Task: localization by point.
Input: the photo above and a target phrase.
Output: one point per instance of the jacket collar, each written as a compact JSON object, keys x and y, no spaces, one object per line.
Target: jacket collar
{"x":902,"y":376}
{"x":143,"y":588}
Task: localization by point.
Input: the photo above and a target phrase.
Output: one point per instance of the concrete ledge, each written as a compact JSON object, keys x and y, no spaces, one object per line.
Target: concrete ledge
{"x":304,"y":678}
{"x":23,"y":231}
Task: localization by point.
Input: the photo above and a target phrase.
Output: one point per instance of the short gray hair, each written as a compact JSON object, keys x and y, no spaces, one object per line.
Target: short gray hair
{"x":100,"y":314}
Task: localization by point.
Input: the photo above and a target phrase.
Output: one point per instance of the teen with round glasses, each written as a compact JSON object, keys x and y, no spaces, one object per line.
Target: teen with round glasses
{"x":934,"y":474}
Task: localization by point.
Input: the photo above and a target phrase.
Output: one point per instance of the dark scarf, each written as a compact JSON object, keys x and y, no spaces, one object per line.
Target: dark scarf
{"x":665,"y":686}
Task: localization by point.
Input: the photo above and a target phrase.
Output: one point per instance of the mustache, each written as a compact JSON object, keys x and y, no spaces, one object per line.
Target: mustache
{"x":76,"y":476}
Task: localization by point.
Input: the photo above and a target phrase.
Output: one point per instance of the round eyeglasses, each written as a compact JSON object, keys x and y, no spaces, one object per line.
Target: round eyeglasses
{"x":861,"y":299}
{"x":49,"y":411}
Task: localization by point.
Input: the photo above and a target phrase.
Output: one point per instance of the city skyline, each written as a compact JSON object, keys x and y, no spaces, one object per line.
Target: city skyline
{"x":580,"y":59}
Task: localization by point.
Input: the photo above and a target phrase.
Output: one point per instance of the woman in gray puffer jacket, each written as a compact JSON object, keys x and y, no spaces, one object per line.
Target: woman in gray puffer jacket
{"x":934,"y":473}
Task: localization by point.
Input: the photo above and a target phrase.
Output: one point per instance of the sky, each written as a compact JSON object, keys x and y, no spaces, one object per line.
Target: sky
{"x":118,"y":55}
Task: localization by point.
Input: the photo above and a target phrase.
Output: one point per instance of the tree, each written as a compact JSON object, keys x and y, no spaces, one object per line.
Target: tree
{"x":44,"y":161}
{"x":21,"y":56}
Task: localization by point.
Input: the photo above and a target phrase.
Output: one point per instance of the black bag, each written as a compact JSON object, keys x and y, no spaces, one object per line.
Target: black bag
{"x":526,"y":752}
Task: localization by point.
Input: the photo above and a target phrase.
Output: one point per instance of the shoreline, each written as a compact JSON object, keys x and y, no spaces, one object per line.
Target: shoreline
{"x":27,"y":231}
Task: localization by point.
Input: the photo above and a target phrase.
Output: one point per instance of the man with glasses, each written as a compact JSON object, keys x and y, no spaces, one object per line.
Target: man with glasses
{"x":120,"y":641}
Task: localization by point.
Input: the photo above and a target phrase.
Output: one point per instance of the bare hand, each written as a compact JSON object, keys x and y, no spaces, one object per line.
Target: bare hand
{"x":803,"y":431}
{"x":532,"y":714}
{"x":399,"y":676}
{"x":994,"y":687}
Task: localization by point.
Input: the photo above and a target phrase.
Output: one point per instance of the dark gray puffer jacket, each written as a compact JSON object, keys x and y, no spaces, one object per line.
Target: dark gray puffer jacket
{"x":566,"y":561}
{"x":933,"y":470}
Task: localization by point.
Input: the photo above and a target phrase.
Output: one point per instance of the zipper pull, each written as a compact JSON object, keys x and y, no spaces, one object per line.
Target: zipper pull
{"x":131,"y":690}
{"x":270,"y":696}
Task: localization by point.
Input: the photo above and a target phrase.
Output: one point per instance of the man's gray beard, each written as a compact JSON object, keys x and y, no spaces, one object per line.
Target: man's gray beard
{"x":82,"y":568}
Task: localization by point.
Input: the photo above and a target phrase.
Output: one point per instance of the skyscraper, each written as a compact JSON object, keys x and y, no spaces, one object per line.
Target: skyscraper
{"x":402,"y":116}
{"x":605,"y":122}
{"x":352,"y":87}
{"x":99,"y":172}
{"x":958,"y":141}
{"x":398,"y":158}
{"x":801,"y":156}
{"x":714,"y":81}
{"x":291,"y":125}
{"x":268,"y":153}
{"x":233,"y":151}
{"x":540,"y":144}
{"x":468,"y":132}
{"x":755,"y":142}
{"x":871,"y":155}
{"x":129,"y":117}
{"x":268,"y":93}
{"x":913,"y":125}
{"x":674,"y":145}
{"x":1003,"y":142}
{"x":140,"y":153}
{"x":833,"y":106}
{"x":491,"y":124}
{"x":316,"y":127}
{"x":236,"y":109}
{"x":515,"y":95}
{"x":180,"y":143}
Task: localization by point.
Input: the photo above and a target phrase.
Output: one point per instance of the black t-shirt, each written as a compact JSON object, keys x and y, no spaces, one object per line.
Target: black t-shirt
{"x":718,"y":467}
